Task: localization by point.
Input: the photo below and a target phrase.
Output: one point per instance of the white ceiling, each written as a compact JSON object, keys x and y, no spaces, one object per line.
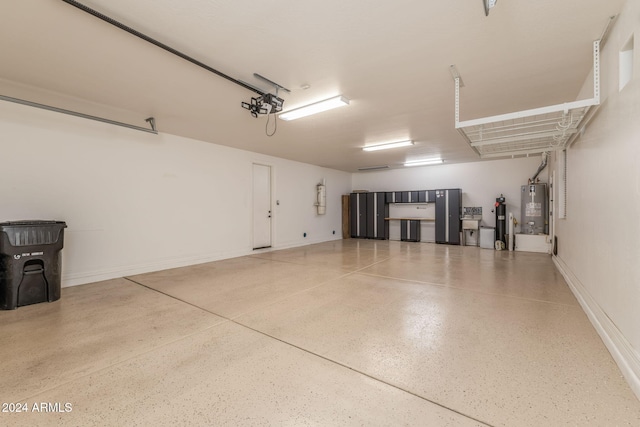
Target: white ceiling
{"x":390,"y":58}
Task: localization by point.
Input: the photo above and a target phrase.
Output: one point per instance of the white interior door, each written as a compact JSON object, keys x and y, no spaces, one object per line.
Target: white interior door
{"x":261,"y":206}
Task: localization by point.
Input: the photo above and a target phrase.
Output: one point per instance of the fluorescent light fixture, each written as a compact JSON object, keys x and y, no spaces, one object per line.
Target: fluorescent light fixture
{"x":373,"y":168}
{"x":387,"y":145}
{"x":316,"y":107}
{"x":424,"y":162}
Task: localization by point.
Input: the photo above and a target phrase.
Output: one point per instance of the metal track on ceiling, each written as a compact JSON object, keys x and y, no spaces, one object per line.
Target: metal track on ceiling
{"x":163,"y":46}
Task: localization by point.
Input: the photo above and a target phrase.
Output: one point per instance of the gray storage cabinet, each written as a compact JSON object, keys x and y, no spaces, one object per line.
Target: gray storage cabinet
{"x":371,"y":217}
{"x":448,"y":216}
{"x":359,"y":215}
{"x":367,"y":215}
{"x":409,"y":230}
{"x":30,"y":262}
{"x":487,"y":237}
{"x":382,"y":212}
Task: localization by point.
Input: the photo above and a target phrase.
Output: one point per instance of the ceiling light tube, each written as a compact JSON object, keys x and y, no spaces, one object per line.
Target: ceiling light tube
{"x":387,"y":145}
{"x":424,"y":162}
{"x":372,"y":168}
{"x":317,"y":107}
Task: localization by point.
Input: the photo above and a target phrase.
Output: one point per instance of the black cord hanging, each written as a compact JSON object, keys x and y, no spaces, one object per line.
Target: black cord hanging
{"x":275,"y":125}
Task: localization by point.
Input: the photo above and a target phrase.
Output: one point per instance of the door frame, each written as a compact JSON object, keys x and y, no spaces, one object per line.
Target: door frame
{"x":253,"y":213}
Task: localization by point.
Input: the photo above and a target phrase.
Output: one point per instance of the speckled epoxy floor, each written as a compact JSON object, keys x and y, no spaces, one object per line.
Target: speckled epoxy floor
{"x":349,"y":332}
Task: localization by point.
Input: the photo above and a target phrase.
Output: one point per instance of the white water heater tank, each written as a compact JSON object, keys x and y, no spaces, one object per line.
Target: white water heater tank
{"x":321,"y":198}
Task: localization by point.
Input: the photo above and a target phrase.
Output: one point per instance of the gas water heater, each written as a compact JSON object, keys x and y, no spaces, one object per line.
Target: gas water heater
{"x":535,"y":213}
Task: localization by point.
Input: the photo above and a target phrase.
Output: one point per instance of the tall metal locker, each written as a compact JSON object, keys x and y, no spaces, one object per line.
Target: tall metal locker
{"x":358,"y":202}
{"x":362,"y":214}
{"x":382,"y":212}
{"x":371,"y":217}
{"x":448,"y":212}
{"x":442,"y":216}
{"x":353,"y":214}
{"x":455,"y":214}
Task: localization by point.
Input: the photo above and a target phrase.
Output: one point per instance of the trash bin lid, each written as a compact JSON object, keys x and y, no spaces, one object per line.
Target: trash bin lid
{"x":31,"y":223}
{"x":29,"y":233}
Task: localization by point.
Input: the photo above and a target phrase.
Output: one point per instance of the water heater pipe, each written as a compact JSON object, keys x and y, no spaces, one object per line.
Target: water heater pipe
{"x":512,"y":237}
{"x":543,"y":165}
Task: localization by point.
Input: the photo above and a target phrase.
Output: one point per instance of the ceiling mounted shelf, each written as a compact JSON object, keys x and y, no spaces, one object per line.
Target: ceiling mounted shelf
{"x":530,"y":131}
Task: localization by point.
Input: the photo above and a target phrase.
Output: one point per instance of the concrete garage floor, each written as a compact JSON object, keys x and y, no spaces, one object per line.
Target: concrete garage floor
{"x":351,"y":332}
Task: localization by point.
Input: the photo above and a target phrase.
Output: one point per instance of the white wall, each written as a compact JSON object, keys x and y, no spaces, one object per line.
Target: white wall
{"x":137,"y":202}
{"x":481,"y":182}
{"x":599,"y":241}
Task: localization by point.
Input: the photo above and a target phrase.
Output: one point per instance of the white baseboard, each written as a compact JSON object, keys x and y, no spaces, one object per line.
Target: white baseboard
{"x":81,"y":278}
{"x":623,"y":353}
{"x":305,"y":242}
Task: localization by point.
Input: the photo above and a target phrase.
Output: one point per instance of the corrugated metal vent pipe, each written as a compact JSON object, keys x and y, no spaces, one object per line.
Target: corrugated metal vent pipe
{"x":543,"y":165}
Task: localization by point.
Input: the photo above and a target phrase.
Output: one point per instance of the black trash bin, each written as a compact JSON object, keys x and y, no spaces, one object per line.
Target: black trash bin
{"x":30,"y":262}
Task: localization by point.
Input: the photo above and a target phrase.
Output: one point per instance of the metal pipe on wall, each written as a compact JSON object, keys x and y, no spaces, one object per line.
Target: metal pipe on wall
{"x":512,"y":236}
{"x":149,"y":120}
{"x":543,"y":165}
